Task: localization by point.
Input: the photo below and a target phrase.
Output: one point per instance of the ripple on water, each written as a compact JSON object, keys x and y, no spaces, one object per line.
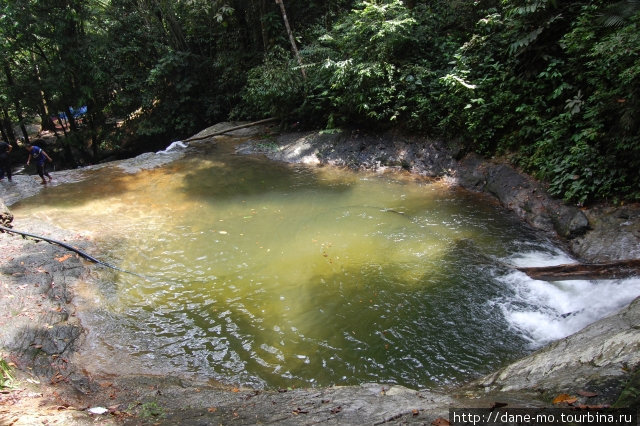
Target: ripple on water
{"x":271,"y":275}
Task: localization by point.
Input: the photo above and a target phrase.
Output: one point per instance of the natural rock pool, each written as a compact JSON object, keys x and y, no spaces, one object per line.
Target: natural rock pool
{"x":271,"y":275}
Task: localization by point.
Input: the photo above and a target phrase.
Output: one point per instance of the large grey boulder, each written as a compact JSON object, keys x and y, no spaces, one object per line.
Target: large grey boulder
{"x":614,"y":234}
{"x":600,"y":357}
{"x":523,"y":195}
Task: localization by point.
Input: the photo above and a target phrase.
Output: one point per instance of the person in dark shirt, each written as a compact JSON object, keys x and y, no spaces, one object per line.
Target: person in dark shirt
{"x":40,"y":156}
{"x":5,"y":164}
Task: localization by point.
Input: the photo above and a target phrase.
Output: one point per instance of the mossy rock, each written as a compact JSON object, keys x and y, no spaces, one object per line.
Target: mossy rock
{"x":630,"y":395}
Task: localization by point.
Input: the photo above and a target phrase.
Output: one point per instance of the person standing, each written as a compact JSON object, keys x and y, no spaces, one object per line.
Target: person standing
{"x":5,"y":163}
{"x":40,"y":156}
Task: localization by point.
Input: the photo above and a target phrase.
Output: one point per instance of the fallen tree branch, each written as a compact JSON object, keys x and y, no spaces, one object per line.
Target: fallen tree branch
{"x":231,"y":129}
{"x":69,"y":247}
{"x":582,"y":271}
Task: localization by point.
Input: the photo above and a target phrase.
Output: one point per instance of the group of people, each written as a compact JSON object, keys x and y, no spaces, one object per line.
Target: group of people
{"x":35,"y":153}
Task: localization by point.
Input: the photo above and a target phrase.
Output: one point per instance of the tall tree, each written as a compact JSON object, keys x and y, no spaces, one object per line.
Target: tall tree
{"x":294,"y":47}
{"x":16,"y":99}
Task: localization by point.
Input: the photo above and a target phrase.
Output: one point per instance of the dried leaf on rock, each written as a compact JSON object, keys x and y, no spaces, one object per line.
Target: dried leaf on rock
{"x":440,"y":421}
{"x":564,"y":398}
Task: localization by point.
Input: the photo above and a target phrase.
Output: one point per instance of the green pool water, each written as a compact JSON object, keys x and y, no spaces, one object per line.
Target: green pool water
{"x":271,"y":275}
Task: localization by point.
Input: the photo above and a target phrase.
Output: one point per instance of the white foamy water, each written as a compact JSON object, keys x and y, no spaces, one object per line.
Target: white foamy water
{"x":173,"y":147}
{"x":546,"y":311}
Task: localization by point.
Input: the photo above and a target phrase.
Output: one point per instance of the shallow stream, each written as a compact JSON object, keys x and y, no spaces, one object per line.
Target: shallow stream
{"x":271,"y":275}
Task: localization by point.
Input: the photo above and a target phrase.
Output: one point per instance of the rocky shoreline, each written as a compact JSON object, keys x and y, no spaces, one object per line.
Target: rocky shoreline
{"x":40,"y":331}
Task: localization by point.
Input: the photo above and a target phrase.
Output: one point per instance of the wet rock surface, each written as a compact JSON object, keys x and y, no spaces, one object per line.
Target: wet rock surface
{"x":613,"y":234}
{"x":6,"y":217}
{"x":598,"y":358}
{"x":40,"y":330}
{"x":38,"y":323}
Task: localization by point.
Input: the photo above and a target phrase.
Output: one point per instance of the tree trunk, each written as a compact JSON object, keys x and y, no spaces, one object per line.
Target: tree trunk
{"x":94,"y":118}
{"x":163,"y":12}
{"x":45,"y":118}
{"x":16,"y":102}
{"x":291,"y":38}
{"x":263,"y":28}
{"x":63,"y":124}
{"x":72,"y":120}
{"x":598,"y":271}
{"x":8,"y":128}
{"x":5,"y":137}
{"x":25,"y":133}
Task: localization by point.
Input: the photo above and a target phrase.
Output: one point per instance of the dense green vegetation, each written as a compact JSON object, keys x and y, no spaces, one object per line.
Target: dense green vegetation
{"x":554,"y":86}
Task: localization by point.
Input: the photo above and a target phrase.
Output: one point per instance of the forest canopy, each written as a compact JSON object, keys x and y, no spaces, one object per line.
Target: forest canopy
{"x":552,"y":86}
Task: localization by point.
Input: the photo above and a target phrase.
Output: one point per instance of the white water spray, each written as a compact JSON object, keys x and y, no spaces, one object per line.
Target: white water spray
{"x":173,"y":147}
{"x":546,"y":311}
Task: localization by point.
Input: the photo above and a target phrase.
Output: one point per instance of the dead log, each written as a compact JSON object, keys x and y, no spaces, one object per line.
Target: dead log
{"x":585,"y":271}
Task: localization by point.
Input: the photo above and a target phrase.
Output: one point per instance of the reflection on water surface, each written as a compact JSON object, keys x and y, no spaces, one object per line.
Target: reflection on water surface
{"x":271,"y":275}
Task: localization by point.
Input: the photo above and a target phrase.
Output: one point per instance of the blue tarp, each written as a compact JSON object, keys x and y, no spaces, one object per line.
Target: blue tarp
{"x":77,"y":113}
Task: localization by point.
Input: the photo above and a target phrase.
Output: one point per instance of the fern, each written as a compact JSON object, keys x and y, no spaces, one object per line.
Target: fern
{"x":618,"y":13}
{"x":531,"y":8}
{"x":523,"y":42}
{"x":6,"y":378}
{"x":526,"y":40}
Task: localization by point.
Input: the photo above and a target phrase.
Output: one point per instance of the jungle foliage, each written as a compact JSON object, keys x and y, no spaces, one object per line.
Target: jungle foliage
{"x":553,"y":86}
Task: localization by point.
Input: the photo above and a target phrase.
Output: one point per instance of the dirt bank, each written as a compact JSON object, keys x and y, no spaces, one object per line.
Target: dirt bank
{"x":40,"y":330}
